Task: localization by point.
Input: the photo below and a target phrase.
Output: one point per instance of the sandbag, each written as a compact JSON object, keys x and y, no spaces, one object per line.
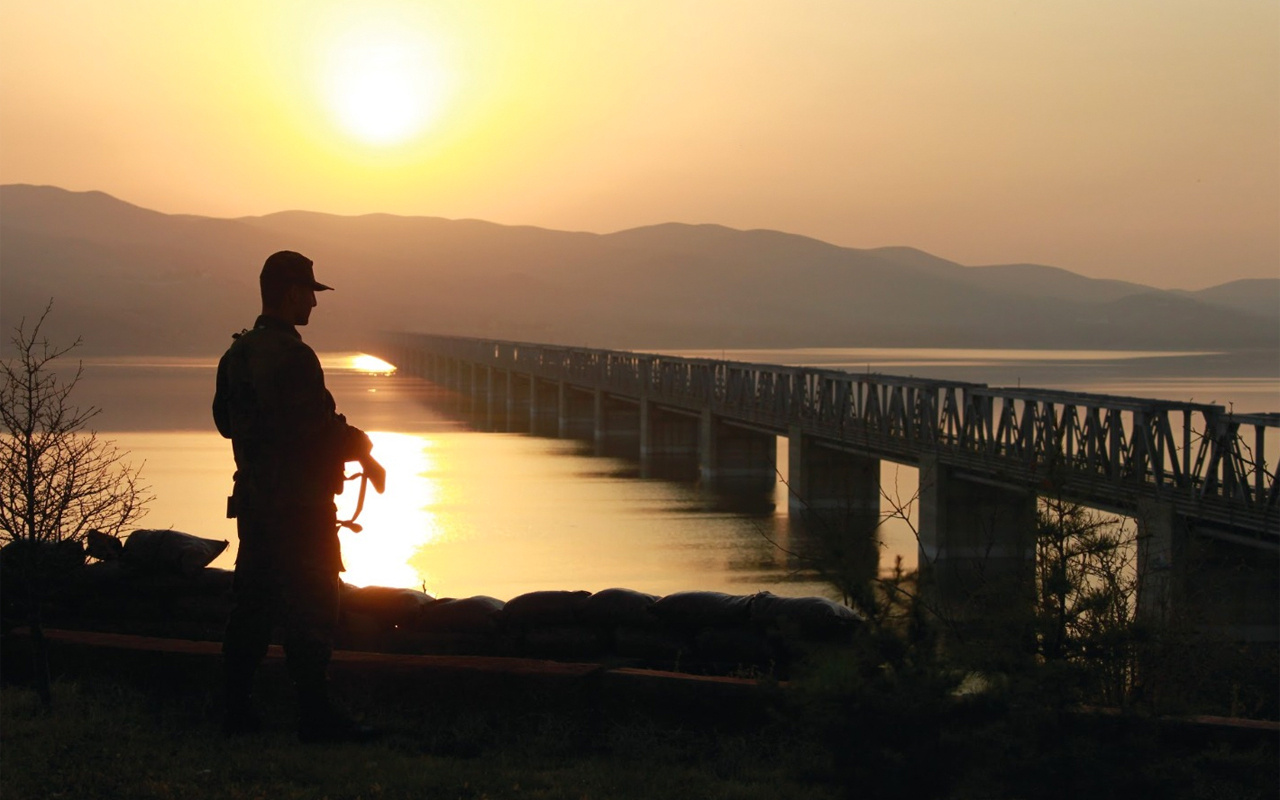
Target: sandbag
{"x":169,"y":551}
{"x":810,"y":617}
{"x":650,"y":645}
{"x":101,"y":579}
{"x":563,"y":641}
{"x":468,"y":615}
{"x":103,"y":546}
{"x":207,"y":582}
{"x":391,"y":606}
{"x":691,"y":610}
{"x":214,"y":608}
{"x":544,"y":608}
{"x":22,"y":560}
{"x":612,"y":608}
{"x":732,"y":647}
{"x":210,"y":582}
{"x":357,"y":631}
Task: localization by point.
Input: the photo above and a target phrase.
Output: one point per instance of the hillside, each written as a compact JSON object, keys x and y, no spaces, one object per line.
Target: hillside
{"x":132,"y":280}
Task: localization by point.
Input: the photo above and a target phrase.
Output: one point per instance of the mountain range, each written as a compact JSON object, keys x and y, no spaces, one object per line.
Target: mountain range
{"x":129,"y":280}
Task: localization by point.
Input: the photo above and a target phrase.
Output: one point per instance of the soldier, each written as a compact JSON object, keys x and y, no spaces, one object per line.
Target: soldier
{"x":290,"y":448}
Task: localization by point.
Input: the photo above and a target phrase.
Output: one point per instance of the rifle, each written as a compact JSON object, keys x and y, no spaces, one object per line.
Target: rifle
{"x":370,"y":472}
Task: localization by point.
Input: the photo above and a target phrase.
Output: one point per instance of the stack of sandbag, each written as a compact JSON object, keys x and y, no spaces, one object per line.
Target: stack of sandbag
{"x":36,"y":572}
{"x":373,"y":617}
{"x":794,"y":625}
{"x":158,"y":582}
{"x":625,"y":618}
{"x":551,"y":624}
{"x":408,"y":621}
{"x":715,"y":630}
{"x":813,"y":619}
{"x":154,"y":582}
{"x":698,"y":631}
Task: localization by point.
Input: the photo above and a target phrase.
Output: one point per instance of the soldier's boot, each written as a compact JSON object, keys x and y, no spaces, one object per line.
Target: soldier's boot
{"x":319,"y":720}
{"x":240,"y":715}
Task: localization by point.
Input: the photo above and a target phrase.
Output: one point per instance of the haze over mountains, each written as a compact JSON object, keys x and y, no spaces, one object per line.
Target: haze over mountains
{"x":134,"y":281}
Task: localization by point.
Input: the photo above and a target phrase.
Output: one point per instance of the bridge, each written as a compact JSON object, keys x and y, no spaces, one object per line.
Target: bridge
{"x":1195,"y":477}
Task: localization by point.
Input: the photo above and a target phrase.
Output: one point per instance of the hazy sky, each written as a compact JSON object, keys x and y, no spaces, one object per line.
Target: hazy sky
{"x":1117,"y":138}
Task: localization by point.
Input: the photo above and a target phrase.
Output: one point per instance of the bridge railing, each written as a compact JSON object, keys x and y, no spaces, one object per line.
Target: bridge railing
{"x":1201,"y":457}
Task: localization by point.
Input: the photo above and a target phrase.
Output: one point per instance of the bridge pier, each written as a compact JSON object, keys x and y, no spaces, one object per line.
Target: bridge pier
{"x":544,"y":408}
{"x":519,"y":402}
{"x":736,"y":459}
{"x":457,"y":389}
{"x":668,"y":443}
{"x":577,"y":413}
{"x":617,"y":430}
{"x":825,"y":481}
{"x":977,"y":550}
{"x":477,"y":397}
{"x":1225,"y":585}
{"x":494,"y":403}
{"x":836,"y":494}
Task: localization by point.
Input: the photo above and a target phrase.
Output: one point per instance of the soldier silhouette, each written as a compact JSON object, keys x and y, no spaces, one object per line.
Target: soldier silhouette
{"x":290,"y":447}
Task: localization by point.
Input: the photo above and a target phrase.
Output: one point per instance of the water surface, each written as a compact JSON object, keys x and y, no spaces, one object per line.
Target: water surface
{"x":500,"y":514}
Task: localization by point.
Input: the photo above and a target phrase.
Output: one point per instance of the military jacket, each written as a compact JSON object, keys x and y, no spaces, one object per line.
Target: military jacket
{"x":290,"y":443}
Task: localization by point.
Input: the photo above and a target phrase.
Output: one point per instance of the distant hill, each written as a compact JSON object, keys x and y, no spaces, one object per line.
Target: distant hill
{"x":132,"y":280}
{"x":1259,"y":296}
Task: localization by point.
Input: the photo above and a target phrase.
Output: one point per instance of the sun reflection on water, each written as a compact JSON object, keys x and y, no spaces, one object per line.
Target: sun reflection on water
{"x":362,"y":363}
{"x":398,"y":523}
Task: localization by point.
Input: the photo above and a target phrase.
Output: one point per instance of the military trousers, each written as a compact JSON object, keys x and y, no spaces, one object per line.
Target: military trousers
{"x":285,"y":578}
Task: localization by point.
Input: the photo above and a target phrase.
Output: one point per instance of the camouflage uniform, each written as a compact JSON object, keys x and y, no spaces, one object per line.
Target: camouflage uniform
{"x":290,"y":446}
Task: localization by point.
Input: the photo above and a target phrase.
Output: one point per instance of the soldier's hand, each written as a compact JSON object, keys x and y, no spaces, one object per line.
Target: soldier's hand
{"x":375,"y":472}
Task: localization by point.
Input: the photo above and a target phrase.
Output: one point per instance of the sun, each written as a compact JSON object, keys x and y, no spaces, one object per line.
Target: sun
{"x":382,"y":83}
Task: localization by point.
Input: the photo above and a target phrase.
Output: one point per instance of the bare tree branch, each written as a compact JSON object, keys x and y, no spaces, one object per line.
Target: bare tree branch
{"x":58,"y":480}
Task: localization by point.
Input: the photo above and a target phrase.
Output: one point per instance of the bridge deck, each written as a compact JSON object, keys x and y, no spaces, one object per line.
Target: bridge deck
{"x":1209,"y":463}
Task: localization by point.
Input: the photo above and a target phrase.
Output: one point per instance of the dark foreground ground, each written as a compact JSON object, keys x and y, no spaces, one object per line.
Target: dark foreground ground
{"x":140,"y":723}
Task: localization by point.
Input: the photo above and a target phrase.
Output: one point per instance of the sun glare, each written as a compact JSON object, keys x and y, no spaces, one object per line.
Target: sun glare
{"x":383,"y":84}
{"x":398,"y":524}
{"x":372,"y":365}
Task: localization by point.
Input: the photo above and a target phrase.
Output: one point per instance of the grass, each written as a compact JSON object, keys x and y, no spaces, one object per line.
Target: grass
{"x":146,"y":726}
{"x":117,"y":741}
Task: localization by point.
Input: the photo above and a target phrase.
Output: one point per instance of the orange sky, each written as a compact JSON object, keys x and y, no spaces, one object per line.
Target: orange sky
{"x":1134,"y":139}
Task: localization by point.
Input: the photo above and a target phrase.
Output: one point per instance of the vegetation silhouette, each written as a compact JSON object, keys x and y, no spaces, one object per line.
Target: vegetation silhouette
{"x":58,"y":482}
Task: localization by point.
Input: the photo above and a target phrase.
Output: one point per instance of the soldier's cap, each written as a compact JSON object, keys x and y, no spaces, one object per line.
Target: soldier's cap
{"x":287,"y":268}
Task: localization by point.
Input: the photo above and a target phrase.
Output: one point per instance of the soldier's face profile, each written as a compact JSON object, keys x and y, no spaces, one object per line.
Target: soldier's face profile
{"x":300,"y":299}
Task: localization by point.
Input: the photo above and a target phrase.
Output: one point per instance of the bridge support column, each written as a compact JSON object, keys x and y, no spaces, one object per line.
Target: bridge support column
{"x":544,"y":408}
{"x":475,"y":399}
{"x":577,"y":414}
{"x":735,"y":459}
{"x":518,"y":403}
{"x":491,"y":400}
{"x":457,"y":392}
{"x":617,"y":427}
{"x":836,"y":497}
{"x":668,"y":443}
{"x":977,"y":552}
{"x":1188,"y":576}
{"x":821,"y":480}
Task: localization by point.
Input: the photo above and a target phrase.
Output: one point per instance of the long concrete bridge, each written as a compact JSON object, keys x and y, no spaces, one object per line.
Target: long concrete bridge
{"x":1195,"y":477}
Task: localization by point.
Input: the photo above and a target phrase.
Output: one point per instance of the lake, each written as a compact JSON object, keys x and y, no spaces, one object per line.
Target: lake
{"x":469,"y":513}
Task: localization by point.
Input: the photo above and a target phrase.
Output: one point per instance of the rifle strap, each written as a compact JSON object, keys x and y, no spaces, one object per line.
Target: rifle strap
{"x":351,"y":524}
